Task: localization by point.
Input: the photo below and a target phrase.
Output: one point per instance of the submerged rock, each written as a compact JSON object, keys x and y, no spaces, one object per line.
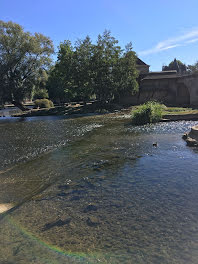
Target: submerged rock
{"x":90,"y":207}
{"x":92,"y":221}
{"x":57,"y":223}
{"x":75,"y":198}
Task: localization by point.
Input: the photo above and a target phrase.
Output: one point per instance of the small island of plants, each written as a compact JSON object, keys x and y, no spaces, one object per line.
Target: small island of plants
{"x":150,"y":112}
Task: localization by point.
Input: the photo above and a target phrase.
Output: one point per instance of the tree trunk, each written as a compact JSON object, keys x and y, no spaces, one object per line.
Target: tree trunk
{"x":20,"y":106}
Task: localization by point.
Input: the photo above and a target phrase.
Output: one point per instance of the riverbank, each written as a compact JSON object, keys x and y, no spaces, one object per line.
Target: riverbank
{"x":169,"y":114}
{"x":74,"y":110}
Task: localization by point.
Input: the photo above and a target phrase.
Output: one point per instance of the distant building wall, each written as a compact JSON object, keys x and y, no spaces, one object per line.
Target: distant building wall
{"x":143,"y":69}
{"x":168,"y":88}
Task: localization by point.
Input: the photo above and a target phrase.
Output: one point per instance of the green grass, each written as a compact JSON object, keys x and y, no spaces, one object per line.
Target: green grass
{"x":179,"y":111}
{"x":150,"y":112}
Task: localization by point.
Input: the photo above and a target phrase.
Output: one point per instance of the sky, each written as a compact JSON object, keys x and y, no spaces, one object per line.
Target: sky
{"x":159,"y":30}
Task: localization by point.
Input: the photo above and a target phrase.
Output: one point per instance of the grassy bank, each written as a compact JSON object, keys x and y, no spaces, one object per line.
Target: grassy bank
{"x":179,"y":111}
{"x":168,"y":113}
{"x":174,"y":113}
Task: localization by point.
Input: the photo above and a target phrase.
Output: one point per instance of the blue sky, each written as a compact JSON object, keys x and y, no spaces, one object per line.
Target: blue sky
{"x":159,"y":30}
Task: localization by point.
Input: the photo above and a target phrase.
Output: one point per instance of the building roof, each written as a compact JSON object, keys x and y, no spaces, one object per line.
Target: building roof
{"x":164,"y":72}
{"x":140,"y":62}
{"x":161,"y":75}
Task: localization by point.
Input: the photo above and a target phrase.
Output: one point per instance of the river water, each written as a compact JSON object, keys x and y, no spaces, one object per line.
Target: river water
{"x":95,"y":190}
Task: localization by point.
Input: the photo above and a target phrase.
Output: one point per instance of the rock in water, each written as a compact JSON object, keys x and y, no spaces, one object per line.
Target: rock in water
{"x":90,"y":207}
{"x":92,"y":221}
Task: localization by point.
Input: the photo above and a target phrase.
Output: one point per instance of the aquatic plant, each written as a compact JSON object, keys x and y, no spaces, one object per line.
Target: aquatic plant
{"x":150,"y":112}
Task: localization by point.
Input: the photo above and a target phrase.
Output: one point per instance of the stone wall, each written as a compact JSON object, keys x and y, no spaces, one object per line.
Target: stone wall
{"x":159,"y":90}
{"x":175,"y":91}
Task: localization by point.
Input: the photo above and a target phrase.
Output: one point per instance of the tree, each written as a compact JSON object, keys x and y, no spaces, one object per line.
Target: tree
{"x":102,"y":69}
{"x":23,"y":56}
{"x":61,"y":81}
{"x":83,"y":69}
{"x":193,"y":68}
{"x":105,"y":61}
{"x":71,"y":78}
{"x":175,"y":65}
{"x":126,"y":73}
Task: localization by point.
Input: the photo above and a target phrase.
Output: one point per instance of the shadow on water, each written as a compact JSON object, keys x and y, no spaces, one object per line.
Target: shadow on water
{"x":111,"y":196}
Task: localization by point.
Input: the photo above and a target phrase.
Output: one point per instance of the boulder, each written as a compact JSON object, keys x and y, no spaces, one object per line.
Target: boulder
{"x":191,"y":137}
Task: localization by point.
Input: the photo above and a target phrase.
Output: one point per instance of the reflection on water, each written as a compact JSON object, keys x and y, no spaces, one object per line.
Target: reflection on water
{"x":95,"y":190}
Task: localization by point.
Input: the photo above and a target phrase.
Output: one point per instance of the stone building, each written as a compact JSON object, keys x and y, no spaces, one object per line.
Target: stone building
{"x":142,"y":67}
{"x":167,"y":87}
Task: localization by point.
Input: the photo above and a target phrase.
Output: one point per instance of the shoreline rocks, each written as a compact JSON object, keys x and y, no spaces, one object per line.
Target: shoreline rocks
{"x":191,"y":138}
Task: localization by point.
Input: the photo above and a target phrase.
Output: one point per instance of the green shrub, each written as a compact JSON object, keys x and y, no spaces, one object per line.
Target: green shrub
{"x":43,"y":103}
{"x":150,"y":112}
{"x":41,"y":94}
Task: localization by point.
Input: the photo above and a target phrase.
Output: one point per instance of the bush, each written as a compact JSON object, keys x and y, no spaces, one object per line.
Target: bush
{"x":150,"y":112}
{"x":43,"y":103}
{"x":41,"y":94}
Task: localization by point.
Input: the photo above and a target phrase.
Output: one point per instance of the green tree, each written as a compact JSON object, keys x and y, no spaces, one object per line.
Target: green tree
{"x":22,"y":57}
{"x":102,"y":69}
{"x":193,"y":68}
{"x":105,"y":60}
{"x":41,"y":94}
{"x":126,"y":73}
{"x":177,"y":65}
{"x":83,"y":70}
{"x":61,"y":84}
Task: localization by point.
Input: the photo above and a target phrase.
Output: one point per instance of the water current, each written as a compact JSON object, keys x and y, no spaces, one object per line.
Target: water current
{"x":95,"y":190}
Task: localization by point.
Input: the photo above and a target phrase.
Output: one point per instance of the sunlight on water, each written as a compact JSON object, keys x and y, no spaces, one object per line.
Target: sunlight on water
{"x":95,"y":190}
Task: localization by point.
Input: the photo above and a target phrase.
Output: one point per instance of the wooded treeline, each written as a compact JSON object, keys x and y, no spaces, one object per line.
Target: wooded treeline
{"x":103,"y":71}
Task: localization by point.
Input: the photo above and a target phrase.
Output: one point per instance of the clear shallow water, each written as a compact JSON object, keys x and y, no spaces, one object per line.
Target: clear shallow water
{"x":95,"y":190}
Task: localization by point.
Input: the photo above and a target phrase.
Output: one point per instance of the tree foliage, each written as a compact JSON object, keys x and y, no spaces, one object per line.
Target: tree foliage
{"x":40,"y":94}
{"x":60,"y":83}
{"x":23,"y":56}
{"x":102,"y":69}
{"x":177,"y":65}
{"x":193,"y":68}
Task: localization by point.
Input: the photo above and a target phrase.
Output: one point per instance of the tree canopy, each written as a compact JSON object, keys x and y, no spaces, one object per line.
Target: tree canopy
{"x":23,"y":58}
{"x":102,"y":70}
{"x":177,"y":65}
{"x":193,"y":68}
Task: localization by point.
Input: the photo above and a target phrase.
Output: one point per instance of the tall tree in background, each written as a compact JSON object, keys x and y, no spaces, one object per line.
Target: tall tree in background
{"x":193,"y":69}
{"x":102,"y":69}
{"x":83,"y":69}
{"x":61,"y":84}
{"x":23,"y":57}
{"x":126,"y":73}
{"x":177,"y":65}
{"x":105,"y":61}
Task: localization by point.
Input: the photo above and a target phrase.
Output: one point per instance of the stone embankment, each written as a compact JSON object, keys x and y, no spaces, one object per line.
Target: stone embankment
{"x":192,"y":137}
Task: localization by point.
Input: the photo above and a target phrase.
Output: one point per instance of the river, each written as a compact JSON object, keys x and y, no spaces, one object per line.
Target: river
{"x":95,"y":190}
